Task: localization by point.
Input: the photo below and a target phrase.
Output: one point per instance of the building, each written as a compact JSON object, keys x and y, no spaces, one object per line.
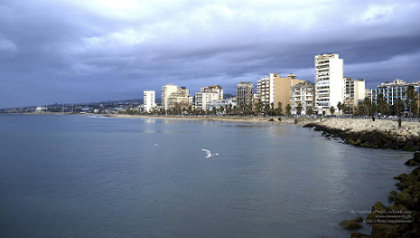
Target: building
{"x":148,"y":100}
{"x":368,"y":94}
{"x":222,"y":103}
{"x":282,"y":89}
{"x":355,"y":91}
{"x":166,"y":92}
{"x":180,"y":98}
{"x":302,"y":93}
{"x":329,"y":83}
{"x":393,"y":91}
{"x":206,"y":95}
{"x":275,"y":89}
{"x":265,"y":88}
{"x":244,"y":93}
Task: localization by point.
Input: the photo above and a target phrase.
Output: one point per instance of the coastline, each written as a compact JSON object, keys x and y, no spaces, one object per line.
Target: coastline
{"x":360,"y":132}
{"x":241,"y":119}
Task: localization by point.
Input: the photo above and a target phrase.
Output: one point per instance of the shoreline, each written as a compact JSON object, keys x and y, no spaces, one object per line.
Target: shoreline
{"x":242,"y":119}
{"x":361,"y":132}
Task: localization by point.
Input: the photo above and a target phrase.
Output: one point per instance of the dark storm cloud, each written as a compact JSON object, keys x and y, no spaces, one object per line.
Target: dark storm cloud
{"x":73,"y":51}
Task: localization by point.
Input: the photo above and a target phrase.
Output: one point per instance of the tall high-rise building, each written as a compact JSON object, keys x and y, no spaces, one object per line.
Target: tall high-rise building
{"x":149,"y":100}
{"x":166,"y":92}
{"x":265,"y":88}
{"x":329,"y":82}
{"x":244,"y":93}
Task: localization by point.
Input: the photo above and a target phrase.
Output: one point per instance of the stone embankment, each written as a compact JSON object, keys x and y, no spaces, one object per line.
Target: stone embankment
{"x":373,"y":134}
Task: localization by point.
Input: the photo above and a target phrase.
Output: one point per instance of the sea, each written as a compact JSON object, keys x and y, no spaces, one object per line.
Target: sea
{"x":95,"y":176}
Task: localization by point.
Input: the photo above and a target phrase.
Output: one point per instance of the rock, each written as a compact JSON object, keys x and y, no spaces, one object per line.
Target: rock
{"x":417,"y":156}
{"x":352,"y":224}
{"x":358,"y":235}
{"x":411,"y":162}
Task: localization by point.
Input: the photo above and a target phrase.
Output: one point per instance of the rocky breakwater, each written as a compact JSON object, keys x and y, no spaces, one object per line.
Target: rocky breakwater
{"x":372,"y":134}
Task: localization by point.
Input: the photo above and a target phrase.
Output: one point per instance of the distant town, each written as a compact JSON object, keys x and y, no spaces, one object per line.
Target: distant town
{"x":332,"y":93}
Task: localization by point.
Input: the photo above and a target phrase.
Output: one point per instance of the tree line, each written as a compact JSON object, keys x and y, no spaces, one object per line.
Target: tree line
{"x":365,"y":108}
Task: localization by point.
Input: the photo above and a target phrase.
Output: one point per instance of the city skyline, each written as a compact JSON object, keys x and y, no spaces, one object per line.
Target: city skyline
{"x":80,"y":51}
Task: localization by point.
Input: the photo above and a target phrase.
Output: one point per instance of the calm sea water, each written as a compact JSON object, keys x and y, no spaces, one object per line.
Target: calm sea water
{"x":78,"y":176}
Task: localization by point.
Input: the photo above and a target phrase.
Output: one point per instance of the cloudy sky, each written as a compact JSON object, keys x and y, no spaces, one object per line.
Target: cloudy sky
{"x":91,"y":50}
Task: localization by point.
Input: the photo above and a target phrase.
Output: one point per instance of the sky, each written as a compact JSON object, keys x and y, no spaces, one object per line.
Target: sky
{"x":70,"y":51}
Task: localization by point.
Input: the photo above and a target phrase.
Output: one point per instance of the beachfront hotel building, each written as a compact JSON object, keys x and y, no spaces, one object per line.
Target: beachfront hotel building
{"x":329,"y":82}
{"x":206,"y":95}
{"x":166,"y":92}
{"x":148,"y":100}
{"x":244,"y":93}
{"x":392,"y":91}
{"x":354,"y":91}
{"x":303,"y":94}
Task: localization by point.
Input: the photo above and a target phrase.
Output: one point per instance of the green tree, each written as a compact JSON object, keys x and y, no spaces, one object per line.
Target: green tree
{"x":279,"y":108}
{"x":340,"y":107}
{"x":411,"y":98}
{"x":272,"y":109}
{"x":383,"y":106}
{"x":367,"y":107}
{"x":332,"y":110}
{"x":222,"y":109}
{"x":299,"y":109}
{"x":399,"y":109}
{"x":189,"y":109}
{"x":267,"y":109}
{"x":229,"y":108}
{"x":213,"y":111}
{"x":288,"y":109}
{"x":309,"y":111}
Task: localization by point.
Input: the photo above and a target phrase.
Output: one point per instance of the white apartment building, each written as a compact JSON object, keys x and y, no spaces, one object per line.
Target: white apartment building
{"x":208,"y":94}
{"x":148,"y":100}
{"x":265,"y":88}
{"x":166,"y":92}
{"x":221,"y":103}
{"x":303,"y":94}
{"x":329,"y":82}
{"x":202,"y":99}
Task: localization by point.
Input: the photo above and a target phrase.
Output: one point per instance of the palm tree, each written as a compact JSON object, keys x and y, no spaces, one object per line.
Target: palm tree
{"x":288,"y":109}
{"x":399,"y":107}
{"x":340,"y":106}
{"x":367,"y":107}
{"x":332,"y":110}
{"x":382,"y":105}
{"x":267,"y":109}
{"x":411,"y":97}
{"x":299,"y":109}
{"x":279,"y":108}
